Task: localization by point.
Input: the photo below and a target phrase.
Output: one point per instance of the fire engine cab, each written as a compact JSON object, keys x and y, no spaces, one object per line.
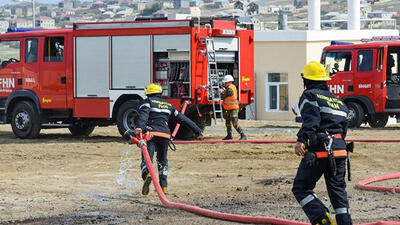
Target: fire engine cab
{"x":94,"y":74}
{"x":366,"y":77}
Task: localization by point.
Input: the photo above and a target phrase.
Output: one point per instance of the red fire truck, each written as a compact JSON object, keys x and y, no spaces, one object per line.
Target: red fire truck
{"x":94,"y":74}
{"x":366,"y":77}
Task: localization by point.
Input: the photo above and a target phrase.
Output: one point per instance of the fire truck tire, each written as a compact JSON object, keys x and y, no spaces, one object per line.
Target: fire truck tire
{"x":378,"y":120}
{"x":356,"y":114}
{"x":25,"y":120}
{"x":81,"y":131}
{"x":127,"y":115}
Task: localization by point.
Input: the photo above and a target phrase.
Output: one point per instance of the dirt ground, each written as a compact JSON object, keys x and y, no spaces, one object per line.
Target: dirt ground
{"x":58,"y":179}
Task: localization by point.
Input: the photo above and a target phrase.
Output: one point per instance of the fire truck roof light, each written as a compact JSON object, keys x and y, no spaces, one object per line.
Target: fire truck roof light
{"x":14,"y":29}
{"x":341,"y":43}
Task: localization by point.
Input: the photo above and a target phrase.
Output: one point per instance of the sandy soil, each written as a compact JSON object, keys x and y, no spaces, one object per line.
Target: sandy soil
{"x":58,"y":179}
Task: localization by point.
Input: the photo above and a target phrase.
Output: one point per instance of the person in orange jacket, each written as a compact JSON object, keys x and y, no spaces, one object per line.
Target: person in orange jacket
{"x":231,"y":108}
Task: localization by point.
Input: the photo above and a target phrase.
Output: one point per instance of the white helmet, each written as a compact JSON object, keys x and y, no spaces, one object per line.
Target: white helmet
{"x":227,"y":78}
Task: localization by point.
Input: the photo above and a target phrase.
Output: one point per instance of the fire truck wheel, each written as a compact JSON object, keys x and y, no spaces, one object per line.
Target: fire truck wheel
{"x":25,"y":121}
{"x":127,"y":115}
{"x":78,"y":130}
{"x":378,"y":120}
{"x":356,"y":114}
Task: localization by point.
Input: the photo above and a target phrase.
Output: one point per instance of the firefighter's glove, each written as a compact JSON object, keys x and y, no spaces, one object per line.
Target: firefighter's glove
{"x":200,"y":136}
{"x":350,"y":146}
{"x":310,"y":159}
{"x":128,"y":135}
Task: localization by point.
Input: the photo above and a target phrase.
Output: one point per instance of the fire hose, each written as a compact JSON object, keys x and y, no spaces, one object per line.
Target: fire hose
{"x":141,"y":142}
{"x":271,"y":141}
{"x":363,"y":184}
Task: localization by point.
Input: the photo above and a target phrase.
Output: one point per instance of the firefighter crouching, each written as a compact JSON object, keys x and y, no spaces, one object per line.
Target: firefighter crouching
{"x":154,"y":114}
{"x":323,"y":130}
{"x":231,"y":108}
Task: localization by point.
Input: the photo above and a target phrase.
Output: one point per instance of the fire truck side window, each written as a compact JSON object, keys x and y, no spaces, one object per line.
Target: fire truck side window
{"x":54,"y":49}
{"x":364,"y":60}
{"x":31,"y":50}
{"x":337,"y":62}
{"x":9,"y":52}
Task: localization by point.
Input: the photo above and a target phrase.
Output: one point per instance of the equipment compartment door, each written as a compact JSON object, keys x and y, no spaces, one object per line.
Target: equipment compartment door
{"x":92,"y":65}
{"x":130,"y":60}
{"x":53,"y":73}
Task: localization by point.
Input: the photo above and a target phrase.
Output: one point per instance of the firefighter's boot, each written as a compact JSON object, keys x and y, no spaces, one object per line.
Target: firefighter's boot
{"x":344,"y":219}
{"x":146,"y":184}
{"x":325,"y":220}
{"x":243,"y":136}
{"x":164,"y":189}
{"x":228,"y":137}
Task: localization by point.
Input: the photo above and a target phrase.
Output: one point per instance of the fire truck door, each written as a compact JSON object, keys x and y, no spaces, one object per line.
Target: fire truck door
{"x":53,"y":73}
{"x":367,"y":76}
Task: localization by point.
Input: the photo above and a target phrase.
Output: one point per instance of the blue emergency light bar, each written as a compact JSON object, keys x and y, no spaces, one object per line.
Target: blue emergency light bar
{"x":14,"y":29}
{"x":341,"y":43}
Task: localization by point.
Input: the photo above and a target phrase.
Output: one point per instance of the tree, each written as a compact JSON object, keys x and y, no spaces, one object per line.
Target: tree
{"x":154,"y":8}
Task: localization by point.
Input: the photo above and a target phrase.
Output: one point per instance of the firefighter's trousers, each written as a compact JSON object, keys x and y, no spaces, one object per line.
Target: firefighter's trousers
{"x":159,"y":145}
{"x":305,"y":181}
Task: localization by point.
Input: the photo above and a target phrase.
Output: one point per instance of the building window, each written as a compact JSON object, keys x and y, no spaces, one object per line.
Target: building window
{"x":31,"y":50}
{"x":276,"y":92}
{"x":364,"y":60}
{"x":54,"y":49}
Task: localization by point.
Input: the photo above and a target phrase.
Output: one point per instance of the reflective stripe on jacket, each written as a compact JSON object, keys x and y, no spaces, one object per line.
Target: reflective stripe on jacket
{"x":231,"y":102}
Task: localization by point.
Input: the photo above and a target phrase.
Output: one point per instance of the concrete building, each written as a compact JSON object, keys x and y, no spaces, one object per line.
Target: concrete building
{"x":3,"y":26}
{"x":21,"y":23}
{"x":45,"y":22}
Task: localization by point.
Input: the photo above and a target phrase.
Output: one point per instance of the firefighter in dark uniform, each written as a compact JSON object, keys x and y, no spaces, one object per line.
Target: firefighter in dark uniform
{"x":154,"y":114}
{"x":324,"y":125}
{"x":230,"y":104}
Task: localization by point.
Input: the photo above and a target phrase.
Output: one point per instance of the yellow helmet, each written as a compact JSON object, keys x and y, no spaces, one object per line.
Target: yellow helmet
{"x":315,"y":71}
{"x":153,"y":89}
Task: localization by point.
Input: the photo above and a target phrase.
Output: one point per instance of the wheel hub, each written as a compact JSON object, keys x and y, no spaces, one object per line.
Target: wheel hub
{"x":22,"y":120}
{"x":351,"y":115}
{"x":129,"y":119}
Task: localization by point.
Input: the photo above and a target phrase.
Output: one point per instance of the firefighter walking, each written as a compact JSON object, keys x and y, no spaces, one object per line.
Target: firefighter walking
{"x":320,"y":141}
{"x":231,"y":108}
{"x":153,"y":117}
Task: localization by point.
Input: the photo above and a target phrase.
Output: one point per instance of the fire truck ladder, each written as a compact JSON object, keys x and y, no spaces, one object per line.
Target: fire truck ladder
{"x":213,"y":79}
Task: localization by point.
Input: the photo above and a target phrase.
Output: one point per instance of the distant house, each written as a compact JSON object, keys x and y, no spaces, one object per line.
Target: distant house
{"x":380,"y":14}
{"x":288,"y":8}
{"x":160,"y":14}
{"x":365,"y":9}
{"x":181,"y":4}
{"x":22,"y":10}
{"x":300,"y":3}
{"x":220,"y":4}
{"x":196,"y":3}
{"x":66,"y":4}
{"x":273,"y":9}
{"x":97,"y":5}
{"x":138,"y":6}
{"x":3,"y":26}
{"x":239,"y":5}
{"x":258,"y":7}
{"x":21,"y":23}
{"x":45,"y":22}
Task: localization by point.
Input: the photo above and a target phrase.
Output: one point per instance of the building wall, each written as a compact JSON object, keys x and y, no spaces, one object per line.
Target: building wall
{"x":278,"y":57}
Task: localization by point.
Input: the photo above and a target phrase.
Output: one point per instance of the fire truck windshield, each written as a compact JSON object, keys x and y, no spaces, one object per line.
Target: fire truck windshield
{"x":9,"y":52}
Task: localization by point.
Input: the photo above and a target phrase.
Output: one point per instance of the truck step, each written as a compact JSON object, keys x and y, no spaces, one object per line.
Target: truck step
{"x":55,"y":125}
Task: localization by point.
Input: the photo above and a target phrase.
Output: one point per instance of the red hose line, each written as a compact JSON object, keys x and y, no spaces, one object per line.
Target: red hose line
{"x":178,"y":125}
{"x":363,"y":184}
{"x":220,"y":215}
{"x":271,"y":141}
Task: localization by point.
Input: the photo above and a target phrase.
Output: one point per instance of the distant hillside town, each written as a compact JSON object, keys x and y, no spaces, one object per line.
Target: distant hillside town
{"x":261,"y":14}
